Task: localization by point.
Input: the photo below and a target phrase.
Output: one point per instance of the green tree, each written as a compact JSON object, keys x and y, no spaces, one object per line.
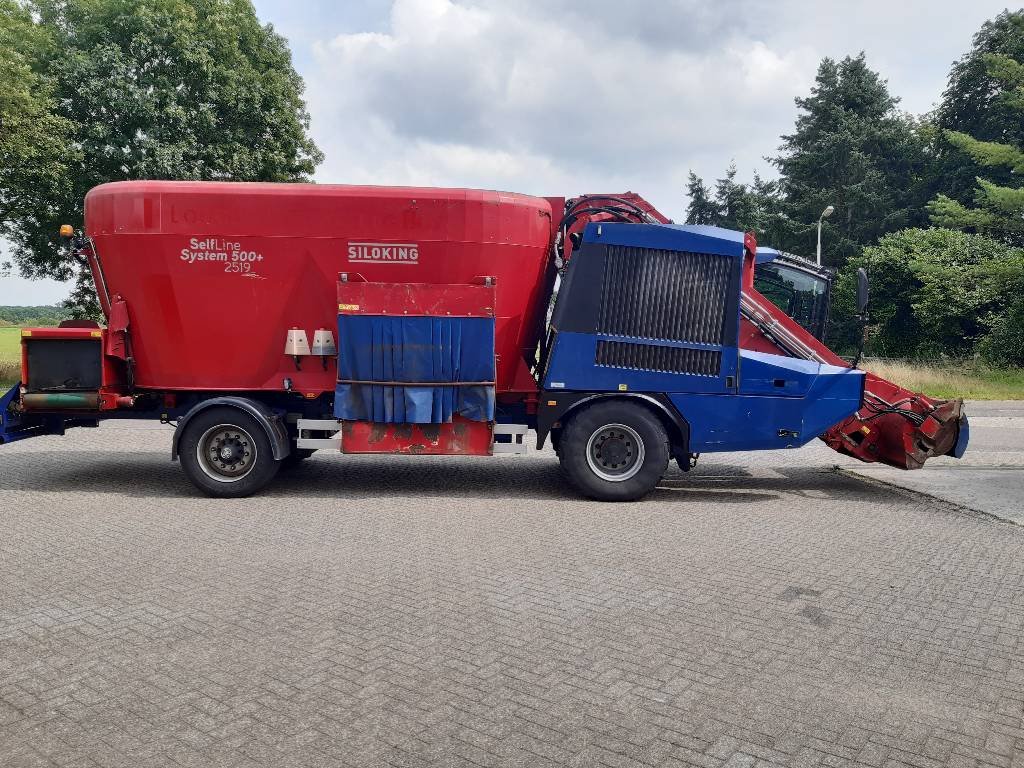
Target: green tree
{"x":701,"y":208}
{"x":733,"y":199}
{"x":854,"y":150}
{"x":160,"y":89}
{"x":35,"y":147}
{"x":763,"y":212}
{"x":39,"y":315}
{"x":976,"y":103}
{"x":942,"y":292}
{"x":755,"y":207}
{"x":998,"y":154}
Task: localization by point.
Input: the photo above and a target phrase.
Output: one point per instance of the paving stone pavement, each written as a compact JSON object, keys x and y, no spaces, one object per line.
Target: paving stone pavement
{"x":762,"y":610}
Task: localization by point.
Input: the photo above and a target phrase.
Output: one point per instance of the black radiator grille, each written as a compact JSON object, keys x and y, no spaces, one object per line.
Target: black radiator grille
{"x":651,"y":357}
{"x":670,"y":295}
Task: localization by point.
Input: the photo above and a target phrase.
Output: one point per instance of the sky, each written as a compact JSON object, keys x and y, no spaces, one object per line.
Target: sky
{"x":554,"y":97}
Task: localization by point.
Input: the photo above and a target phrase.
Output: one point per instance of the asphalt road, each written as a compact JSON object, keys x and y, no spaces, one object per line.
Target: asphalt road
{"x":761,"y":610}
{"x":989,"y":478}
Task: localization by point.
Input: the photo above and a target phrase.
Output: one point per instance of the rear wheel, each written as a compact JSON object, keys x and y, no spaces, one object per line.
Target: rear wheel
{"x":614,"y":451}
{"x":226,"y":453}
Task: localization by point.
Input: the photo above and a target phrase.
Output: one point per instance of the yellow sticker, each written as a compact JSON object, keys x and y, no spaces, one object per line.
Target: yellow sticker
{"x":623,"y":387}
{"x":97,"y":334}
{"x":26,"y":333}
{"x":348,"y":307}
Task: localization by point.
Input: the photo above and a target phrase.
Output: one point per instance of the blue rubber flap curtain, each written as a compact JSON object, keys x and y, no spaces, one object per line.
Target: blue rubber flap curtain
{"x":449,"y":360}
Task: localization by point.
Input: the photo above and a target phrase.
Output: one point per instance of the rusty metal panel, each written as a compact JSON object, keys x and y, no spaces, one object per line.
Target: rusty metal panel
{"x":460,"y":437}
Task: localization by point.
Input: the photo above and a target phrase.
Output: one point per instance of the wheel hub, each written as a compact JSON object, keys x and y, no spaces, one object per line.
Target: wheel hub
{"x":226,"y":453}
{"x":615,"y":452}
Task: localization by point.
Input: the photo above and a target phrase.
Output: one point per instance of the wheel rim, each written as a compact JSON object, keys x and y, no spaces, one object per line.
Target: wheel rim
{"x":226,"y":453}
{"x":615,"y":452}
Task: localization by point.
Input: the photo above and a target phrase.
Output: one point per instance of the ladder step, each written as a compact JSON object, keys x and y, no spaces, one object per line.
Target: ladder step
{"x":517,"y":443}
{"x":319,"y":425}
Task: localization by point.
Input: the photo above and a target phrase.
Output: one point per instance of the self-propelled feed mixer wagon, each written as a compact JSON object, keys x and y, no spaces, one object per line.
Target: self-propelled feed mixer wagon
{"x":267,"y":321}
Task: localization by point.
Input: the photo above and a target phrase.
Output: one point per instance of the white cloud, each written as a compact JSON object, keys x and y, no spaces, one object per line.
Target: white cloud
{"x":513,"y":95}
{"x":564,"y":97}
{"x":17,"y":291}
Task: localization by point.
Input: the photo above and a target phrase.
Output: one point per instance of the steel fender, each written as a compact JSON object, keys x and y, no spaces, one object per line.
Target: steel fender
{"x":569,"y":402}
{"x":271,"y":422}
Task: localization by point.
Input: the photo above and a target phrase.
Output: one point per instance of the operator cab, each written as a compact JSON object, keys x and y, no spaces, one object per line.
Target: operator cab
{"x":798,"y":287}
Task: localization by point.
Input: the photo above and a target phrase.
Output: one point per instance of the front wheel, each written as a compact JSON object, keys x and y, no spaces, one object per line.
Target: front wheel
{"x":614,"y":451}
{"x":226,"y":453}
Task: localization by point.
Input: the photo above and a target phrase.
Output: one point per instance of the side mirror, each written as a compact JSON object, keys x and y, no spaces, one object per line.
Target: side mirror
{"x":862,"y":291}
{"x":862,"y":311}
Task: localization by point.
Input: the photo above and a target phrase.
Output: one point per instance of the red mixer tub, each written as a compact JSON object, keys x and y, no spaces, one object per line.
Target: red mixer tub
{"x":214,"y":276}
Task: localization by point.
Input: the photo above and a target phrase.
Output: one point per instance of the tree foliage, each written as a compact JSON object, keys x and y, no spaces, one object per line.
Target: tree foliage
{"x":751,"y":207}
{"x":159,"y":89}
{"x":992,"y":79}
{"x":975,"y":103}
{"x":33,"y":316}
{"x":35,"y":145}
{"x":942,"y":292}
{"x":702,"y":208}
{"x":854,"y":150}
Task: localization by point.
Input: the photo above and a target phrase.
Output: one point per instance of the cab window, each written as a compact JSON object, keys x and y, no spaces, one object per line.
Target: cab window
{"x":801,"y":295}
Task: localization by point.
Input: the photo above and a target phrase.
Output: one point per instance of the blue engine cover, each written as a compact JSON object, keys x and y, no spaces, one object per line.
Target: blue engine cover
{"x":781,"y":402}
{"x":655,"y":309}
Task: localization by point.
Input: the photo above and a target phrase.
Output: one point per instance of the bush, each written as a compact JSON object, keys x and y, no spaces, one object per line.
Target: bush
{"x":1004,"y":345}
{"x":938,"y":293}
{"x":29,"y":316}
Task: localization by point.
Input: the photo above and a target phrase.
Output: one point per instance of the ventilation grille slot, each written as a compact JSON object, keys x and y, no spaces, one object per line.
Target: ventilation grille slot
{"x":668,"y":295}
{"x":651,"y":357}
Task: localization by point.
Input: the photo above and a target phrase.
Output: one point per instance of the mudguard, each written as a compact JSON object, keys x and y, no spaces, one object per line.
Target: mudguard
{"x":271,"y":422}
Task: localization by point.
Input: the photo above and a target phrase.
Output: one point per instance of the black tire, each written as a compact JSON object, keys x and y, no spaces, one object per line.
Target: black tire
{"x":614,"y":451}
{"x":244,"y":467}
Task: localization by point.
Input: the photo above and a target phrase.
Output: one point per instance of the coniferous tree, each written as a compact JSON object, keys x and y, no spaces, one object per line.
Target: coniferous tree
{"x":731,"y":199}
{"x":750,"y":208}
{"x":701,"y":209}
{"x":976,"y":102}
{"x":986,"y":94}
{"x":854,"y":150}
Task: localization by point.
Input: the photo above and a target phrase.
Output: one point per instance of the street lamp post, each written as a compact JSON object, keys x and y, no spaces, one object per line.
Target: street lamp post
{"x":824,"y":215}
